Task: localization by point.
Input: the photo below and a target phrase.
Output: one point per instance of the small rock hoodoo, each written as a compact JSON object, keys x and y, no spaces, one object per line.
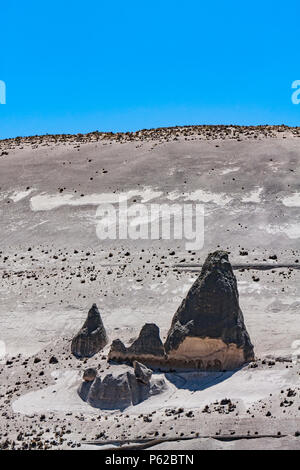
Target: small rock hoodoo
{"x":147,"y":348}
{"x":92,"y":336}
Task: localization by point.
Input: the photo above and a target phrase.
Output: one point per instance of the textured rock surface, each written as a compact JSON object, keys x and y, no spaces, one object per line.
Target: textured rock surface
{"x":92,"y":336}
{"x":147,"y":348}
{"x":142,"y":373}
{"x":208,"y":330}
{"x":89,"y":374}
{"x":120,"y":389}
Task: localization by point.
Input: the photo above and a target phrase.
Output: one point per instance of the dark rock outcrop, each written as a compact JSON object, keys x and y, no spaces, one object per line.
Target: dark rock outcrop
{"x":147,"y":348}
{"x":92,"y":336}
{"x":113,"y":391}
{"x":120,"y":389}
{"x":208,"y":330}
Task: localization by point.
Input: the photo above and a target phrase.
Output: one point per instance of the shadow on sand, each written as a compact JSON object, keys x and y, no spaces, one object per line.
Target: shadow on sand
{"x":196,"y":381}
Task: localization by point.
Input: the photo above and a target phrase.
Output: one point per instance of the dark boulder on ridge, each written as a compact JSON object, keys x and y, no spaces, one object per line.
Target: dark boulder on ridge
{"x":208,"y":330}
{"x":92,"y":336}
{"x":147,"y":348}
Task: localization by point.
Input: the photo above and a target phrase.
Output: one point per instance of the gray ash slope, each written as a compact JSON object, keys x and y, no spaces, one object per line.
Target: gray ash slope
{"x":228,"y":165}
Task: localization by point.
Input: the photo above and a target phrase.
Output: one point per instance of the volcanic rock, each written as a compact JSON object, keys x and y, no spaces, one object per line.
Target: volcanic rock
{"x":113,"y":391}
{"x":120,"y":389}
{"x":208,"y":330}
{"x":142,"y":373}
{"x":92,"y":336}
{"x":147,"y":348}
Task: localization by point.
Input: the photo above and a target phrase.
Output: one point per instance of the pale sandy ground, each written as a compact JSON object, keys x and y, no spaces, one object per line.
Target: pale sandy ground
{"x":53,"y":267}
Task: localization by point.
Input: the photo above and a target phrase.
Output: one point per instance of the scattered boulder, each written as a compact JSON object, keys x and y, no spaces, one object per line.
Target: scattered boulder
{"x":208,"y":330}
{"x":121,"y":388}
{"x":92,"y":336}
{"x":89,"y":375}
{"x":147,"y":348}
{"x":53,"y":360}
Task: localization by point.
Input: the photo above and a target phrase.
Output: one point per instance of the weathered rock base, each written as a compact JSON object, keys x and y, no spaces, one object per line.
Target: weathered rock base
{"x":194,"y":353}
{"x":121,"y":389}
{"x":153,"y":362}
{"x":223,"y":357}
{"x":206,"y":354}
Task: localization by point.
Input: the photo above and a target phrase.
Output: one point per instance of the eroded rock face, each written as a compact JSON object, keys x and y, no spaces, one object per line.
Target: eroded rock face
{"x":113,"y":391}
{"x":208,"y":330}
{"x":120,"y":389}
{"x":92,"y":336}
{"x":147,"y":348}
{"x":142,"y":373}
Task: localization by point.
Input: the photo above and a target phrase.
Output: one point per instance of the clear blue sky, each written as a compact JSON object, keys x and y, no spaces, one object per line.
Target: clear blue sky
{"x":74,"y":66}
